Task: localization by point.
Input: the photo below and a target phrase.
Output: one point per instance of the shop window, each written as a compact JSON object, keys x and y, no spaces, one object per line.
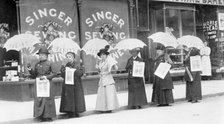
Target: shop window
{"x":142,"y":14}
{"x":159,"y":16}
{"x":172,"y":22}
{"x":178,"y":20}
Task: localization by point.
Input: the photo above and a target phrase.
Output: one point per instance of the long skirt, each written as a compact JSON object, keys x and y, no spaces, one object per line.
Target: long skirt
{"x":162,"y":96}
{"x":44,"y":107}
{"x":136,"y":92}
{"x":72,"y":99}
{"x":107,"y":98}
{"x":193,"y":90}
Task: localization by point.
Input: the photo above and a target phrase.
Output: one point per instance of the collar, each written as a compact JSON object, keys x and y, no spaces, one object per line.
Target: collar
{"x":134,"y":57}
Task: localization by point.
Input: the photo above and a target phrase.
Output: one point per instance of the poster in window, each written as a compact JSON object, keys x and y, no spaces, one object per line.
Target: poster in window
{"x":195,"y":62}
{"x":221,"y":21}
{"x":138,"y":69}
{"x":69,"y":75}
{"x":42,"y":87}
{"x":162,"y":70}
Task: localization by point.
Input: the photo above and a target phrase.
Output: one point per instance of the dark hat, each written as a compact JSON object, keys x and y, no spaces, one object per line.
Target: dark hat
{"x":104,"y":51}
{"x":72,"y":53}
{"x":160,"y":47}
{"x":43,"y":50}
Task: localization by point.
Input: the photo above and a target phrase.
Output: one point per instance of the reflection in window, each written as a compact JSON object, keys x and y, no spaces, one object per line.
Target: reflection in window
{"x":159,"y":20}
{"x":187,"y":22}
{"x":172,"y":22}
{"x":180,"y":22}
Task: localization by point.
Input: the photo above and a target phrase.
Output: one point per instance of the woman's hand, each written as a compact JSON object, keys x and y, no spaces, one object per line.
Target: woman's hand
{"x":43,"y":78}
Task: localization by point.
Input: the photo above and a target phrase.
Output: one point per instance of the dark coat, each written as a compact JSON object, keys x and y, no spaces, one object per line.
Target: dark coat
{"x":162,"y":88}
{"x":44,"y":106}
{"x":72,"y":97}
{"x":193,"y":88}
{"x":2,"y":58}
{"x":136,"y":86}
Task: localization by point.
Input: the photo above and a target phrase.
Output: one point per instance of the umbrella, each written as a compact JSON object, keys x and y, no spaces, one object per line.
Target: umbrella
{"x":20,"y":41}
{"x":129,"y":44}
{"x":164,"y":38}
{"x":64,"y":45}
{"x":190,"y":41}
{"x":94,"y":45}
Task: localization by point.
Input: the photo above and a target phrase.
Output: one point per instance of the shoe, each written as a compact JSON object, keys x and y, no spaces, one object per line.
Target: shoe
{"x":42,"y":119}
{"x":189,"y":100}
{"x":77,"y":115}
{"x":138,"y":107}
{"x":161,"y":105}
{"x":49,"y":119}
{"x":195,"y":101}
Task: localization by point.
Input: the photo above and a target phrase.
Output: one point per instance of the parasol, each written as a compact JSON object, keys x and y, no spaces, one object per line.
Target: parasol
{"x":191,"y":41}
{"x":129,"y":44}
{"x":93,"y":46}
{"x":164,"y":38}
{"x":18,"y":42}
{"x":64,"y":45}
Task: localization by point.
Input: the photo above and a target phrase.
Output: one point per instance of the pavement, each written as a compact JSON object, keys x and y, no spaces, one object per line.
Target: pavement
{"x":22,"y":112}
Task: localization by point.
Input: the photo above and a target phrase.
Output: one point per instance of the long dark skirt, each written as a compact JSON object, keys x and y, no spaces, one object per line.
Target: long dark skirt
{"x":193,"y":90}
{"x":136,"y":92}
{"x":72,"y":99}
{"x":44,"y":107}
{"x":162,"y":96}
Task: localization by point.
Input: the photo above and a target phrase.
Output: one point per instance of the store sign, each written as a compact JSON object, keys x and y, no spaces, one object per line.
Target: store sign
{"x":206,"y":2}
{"x":105,"y":20}
{"x":210,"y":27}
{"x":47,"y":20}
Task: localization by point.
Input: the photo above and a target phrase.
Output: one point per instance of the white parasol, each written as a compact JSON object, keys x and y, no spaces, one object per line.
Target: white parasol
{"x":18,"y":42}
{"x":93,"y":46}
{"x":64,"y":45}
{"x":190,"y":41}
{"x":129,"y":44}
{"x":164,"y":38}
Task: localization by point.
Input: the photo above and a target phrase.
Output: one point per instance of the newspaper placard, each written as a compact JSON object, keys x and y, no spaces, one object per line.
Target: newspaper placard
{"x":69,"y":75}
{"x":43,"y":87}
{"x":162,"y":70}
{"x":138,"y":69}
{"x":195,"y":63}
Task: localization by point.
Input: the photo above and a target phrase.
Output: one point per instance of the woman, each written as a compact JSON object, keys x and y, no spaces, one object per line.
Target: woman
{"x":72,"y":96}
{"x":162,"y":88}
{"x":106,"y":95}
{"x":44,"y":107}
{"x":205,"y":59}
{"x":136,"y":87}
{"x":193,"y":79}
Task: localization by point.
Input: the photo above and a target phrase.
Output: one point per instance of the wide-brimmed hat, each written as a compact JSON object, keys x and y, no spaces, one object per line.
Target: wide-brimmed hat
{"x":160,"y":47}
{"x":43,"y":50}
{"x":104,"y":51}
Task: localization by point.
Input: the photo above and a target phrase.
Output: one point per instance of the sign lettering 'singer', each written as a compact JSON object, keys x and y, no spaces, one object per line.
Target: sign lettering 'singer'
{"x":104,"y":16}
{"x":41,"y":13}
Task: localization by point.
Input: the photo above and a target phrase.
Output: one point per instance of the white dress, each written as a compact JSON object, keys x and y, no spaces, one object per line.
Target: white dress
{"x":106,"y":94}
{"x":206,"y":62}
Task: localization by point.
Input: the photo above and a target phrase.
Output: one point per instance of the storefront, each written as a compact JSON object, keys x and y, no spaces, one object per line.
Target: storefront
{"x":202,"y":18}
{"x":79,"y":20}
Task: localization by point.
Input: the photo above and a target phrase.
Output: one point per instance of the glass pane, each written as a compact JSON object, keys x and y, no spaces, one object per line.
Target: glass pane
{"x":143,"y":13}
{"x":187,"y":22}
{"x":172,"y":23}
{"x":159,"y":20}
